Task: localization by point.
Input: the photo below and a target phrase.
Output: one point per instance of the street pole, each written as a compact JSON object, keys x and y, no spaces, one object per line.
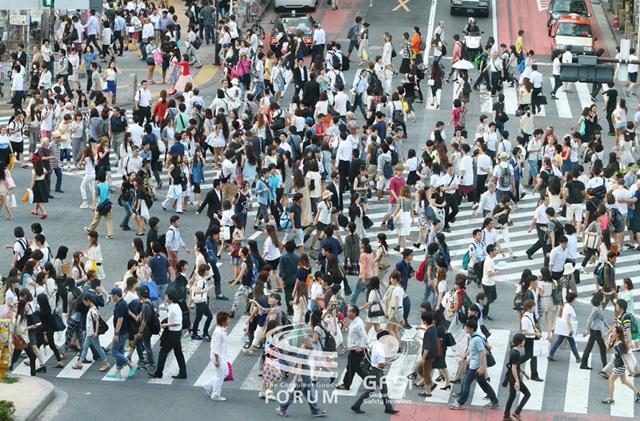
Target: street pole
{"x":625,"y":46}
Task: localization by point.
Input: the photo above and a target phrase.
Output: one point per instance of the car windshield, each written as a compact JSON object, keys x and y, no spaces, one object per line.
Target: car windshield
{"x":291,"y":25}
{"x":574,"y":30}
{"x":568,"y":6}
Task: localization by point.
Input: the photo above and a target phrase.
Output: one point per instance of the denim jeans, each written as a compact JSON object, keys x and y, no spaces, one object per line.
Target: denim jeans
{"x":469,"y":376}
{"x":406,"y":304}
{"x":58,"y":172}
{"x":429,"y":295}
{"x":258,"y":88}
{"x":88,"y":341}
{"x":208,"y":34}
{"x":558,"y":342}
{"x":65,"y":154}
{"x":144,"y":344}
{"x":162,"y":289}
{"x":117,"y":350}
{"x":361,"y":285}
{"x":127,"y":215}
{"x":306,"y":388}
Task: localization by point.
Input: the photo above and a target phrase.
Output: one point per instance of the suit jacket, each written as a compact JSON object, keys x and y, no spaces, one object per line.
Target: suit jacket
{"x":311,"y":93}
{"x":336,"y":199}
{"x":300,"y":75}
{"x":211,"y":200}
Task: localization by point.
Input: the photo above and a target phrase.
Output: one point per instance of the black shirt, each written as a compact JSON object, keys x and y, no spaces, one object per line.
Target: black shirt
{"x":121,"y":311}
{"x":118,"y":124}
{"x":514,"y":359}
{"x":296,"y":210}
{"x":612,"y":101}
{"x":575,"y":196}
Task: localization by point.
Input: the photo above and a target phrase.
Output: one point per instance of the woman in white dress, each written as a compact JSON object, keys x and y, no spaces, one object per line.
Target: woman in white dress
{"x":300,"y":306}
{"x":624,"y":154}
{"x":373,"y":296}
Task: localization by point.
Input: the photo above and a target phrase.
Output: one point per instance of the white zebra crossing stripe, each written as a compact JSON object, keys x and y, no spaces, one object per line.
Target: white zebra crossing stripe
{"x":499,"y":341}
{"x":69,"y":372}
{"x":562,"y":103}
{"x":584,"y":94}
{"x":536,"y":388}
{"x":171,"y":367}
{"x":578,"y":383}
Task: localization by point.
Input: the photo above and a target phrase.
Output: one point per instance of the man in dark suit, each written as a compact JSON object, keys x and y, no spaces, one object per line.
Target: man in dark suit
{"x":213,"y":200}
{"x":354,"y":167}
{"x":311,"y":92}
{"x":336,"y":202}
{"x":300,"y":76}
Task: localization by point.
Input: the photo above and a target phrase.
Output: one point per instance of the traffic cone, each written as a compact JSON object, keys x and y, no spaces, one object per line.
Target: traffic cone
{"x":616,"y":20}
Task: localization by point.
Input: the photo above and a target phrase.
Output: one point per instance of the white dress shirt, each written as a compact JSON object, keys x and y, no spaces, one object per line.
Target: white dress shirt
{"x":357,"y":334}
{"x":219,"y":343}
{"x":174,"y":316}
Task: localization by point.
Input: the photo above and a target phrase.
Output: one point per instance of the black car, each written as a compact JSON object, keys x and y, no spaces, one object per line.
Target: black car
{"x":558,"y":8}
{"x":468,"y":7}
{"x":289,"y":23}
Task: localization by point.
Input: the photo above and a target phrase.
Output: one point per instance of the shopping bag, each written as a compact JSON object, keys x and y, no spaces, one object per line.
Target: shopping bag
{"x":25,"y":197}
{"x":229,"y":377}
{"x":30,"y":196}
{"x":540,"y":348}
{"x":12,"y":161}
{"x":13,"y":203}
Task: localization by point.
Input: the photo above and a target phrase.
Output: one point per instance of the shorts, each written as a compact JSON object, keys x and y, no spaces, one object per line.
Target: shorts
{"x":382,"y":183}
{"x":575,"y":211}
{"x":620,"y":125}
{"x":618,"y":371}
{"x":297,"y":237}
{"x":623,"y":226}
{"x":320,"y":226}
{"x":18,"y":147}
{"x":273,"y":263}
{"x":399,"y":314}
{"x":196,"y":188}
{"x":391,"y":207}
{"x":633,"y":77}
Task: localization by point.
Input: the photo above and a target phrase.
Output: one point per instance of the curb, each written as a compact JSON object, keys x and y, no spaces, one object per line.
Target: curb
{"x":39,"y":403}
{"x":607,"y":16}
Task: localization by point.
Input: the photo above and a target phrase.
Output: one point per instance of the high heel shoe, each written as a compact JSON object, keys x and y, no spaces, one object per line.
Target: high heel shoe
{"x":446,"y":388}
{"x":440,"y":378}
{"x":412,"y":375}
{"x":455,"y":381}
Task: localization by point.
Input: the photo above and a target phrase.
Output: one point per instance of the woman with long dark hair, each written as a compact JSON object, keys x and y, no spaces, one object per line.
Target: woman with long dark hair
{"x":48,"y":329}
{"x":22,"y":328}
{"x":620,"y":363}
{"x":39,"y":188}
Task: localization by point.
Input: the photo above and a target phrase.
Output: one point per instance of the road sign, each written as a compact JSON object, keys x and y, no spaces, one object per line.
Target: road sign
{"x":18,"y":20}
{"x":48,"y":3}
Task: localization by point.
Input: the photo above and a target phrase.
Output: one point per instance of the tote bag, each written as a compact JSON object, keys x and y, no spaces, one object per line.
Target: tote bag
{"x":540,"y":348}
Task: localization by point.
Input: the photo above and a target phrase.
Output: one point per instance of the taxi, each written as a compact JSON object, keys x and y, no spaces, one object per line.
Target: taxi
{"x":573,"y":30}
{"x":289,"y":23}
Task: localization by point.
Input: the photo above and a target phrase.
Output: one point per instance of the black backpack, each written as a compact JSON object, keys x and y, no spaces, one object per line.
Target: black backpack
{"x":78,"y":303}
{"x":25,"y":255}
{"x":329,"y":341}
{"x":335,"y":61}
{"x":69,"y":66}
{"x":394,"y":157}
{"x":597,"y":164}
{"x":154,"y":321}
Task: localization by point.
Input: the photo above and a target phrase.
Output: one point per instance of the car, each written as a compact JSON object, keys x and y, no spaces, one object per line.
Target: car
{"x":480,"y":7}
{"x":291,"y":22}
{"x":573,"y":30}
{"x":280,"y":5}
{"x":558,"y":8}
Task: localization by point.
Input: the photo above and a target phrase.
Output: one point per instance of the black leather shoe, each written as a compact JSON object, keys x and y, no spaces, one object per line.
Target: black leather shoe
{"x":585,"y":367}
{"x":537,"y":379}
{"x":59,"y":191}
{"x":357,"y":410}
{"x":391,"y":411}
{"x":222,"y":298}
{"x":154,"y":375}
{"x":179,"y":376}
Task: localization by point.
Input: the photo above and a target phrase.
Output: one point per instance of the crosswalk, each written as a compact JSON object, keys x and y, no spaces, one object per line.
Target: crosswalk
{"x":566,"y":388}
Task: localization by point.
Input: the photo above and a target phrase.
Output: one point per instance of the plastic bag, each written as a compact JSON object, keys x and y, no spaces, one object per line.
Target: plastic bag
{"x":25,"y":197}
{"x":30,"y":196}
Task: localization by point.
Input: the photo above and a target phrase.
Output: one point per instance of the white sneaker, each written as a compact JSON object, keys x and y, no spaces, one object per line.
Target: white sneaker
{"x":84,"y":206}
{"x":218,"y":398}
{"x":207,"y":390}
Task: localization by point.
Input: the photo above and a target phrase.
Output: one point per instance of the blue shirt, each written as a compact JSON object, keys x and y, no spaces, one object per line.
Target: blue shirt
{"x":476,"y":344}
{"x":275,"y":181}
{"x":102,"y":191}
{"x":263,"y":196}
{"x":159,"y":264}
{"x":336,"y":248}
{"x":176,"y":148}
{"x":119,"y":23}
{"x":405,"y":270}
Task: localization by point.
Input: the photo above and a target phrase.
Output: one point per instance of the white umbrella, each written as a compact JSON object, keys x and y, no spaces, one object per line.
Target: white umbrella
{"x":463,"y":65}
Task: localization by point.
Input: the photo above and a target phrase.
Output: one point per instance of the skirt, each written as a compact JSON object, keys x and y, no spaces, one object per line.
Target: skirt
{"x":374,"y":320}
{"x":111,"y":86}
{"x":40,"y":192}
{"x":440,"y":362}
{"x":412,"y":178}
{"x":405,"y":229}
{"x":405,"y":66}
{"x":182,"y":82}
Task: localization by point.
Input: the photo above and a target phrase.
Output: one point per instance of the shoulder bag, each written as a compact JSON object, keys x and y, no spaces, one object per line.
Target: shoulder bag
{"x":375,"y":309}
{"x":18,"y":342}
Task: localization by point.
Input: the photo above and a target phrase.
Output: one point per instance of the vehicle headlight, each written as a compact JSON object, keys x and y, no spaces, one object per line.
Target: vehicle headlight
{"x":588,"y":48}
{"x":559,"y":47}
{"x":484,"y":3}
{"x":456,"y":1}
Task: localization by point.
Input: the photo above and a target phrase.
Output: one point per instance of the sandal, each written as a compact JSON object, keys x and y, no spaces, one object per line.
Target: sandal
{"x":59,"y":364}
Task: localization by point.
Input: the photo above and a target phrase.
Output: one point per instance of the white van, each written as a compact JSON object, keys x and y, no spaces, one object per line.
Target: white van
{"x":295,"y":4}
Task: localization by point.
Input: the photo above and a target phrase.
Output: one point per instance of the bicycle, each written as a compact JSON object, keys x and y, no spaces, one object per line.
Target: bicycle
{"x":252,"y":12}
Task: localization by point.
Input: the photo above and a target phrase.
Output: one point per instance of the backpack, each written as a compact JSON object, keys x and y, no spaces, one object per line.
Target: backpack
{"x":423,"y":44}
{"x":285,"y":221}
{"x":3,"y":48}
{"x":339,"y":80}
{"x":634,"y":325}
{"x":462,"y":113}
{"x":329,"y":341}
{"x":394,"y":157}
{"x":440,"y":260}
{"x":376,"y":84}
{"x":522,"y":66}
{"x":505,"y":177}
{"x":599,"y":272}
{"x":597,"y":164}
{"x":352,"y":32}
{"x":421,"y":272}
{"x":466,"y":258}
{"x":69,"y":67}
{"x":477,"y":61}
{"x":558,"y":231}
{"x":78,"y":305}
{"x":387,"y":170}
{"x":154,"y":321}
{"x":466,"y":88}
{"x":617,"y":221}
{"x":466,"y":301}
{"x":25,"y":255}
{"x":335,"y":62}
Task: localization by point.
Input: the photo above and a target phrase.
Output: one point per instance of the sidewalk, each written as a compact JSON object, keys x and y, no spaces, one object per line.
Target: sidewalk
{"x":30,"y":395}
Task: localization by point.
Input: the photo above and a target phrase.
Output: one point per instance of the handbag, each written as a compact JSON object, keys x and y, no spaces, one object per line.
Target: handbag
{"x":367,"y":222}
{"x":591,"y":240}
{"x":383,"y":263}
{"x":103,"y":327}
{"x":397,"y":221}
{"x":10,"y":183}
{"x":278,"y":124}
{"x":229,"y":377}
{"x":518,"y":300}
{"x":235,"y":249}
{"x":555,"y":296}
{"x":375,"y":309}
{"x":449,"y":340}
{"x":431,"y":82}
{"x":18,"y":342}
{"x":540,"y":348}
{"x":104,"y":207}
{"x":343,"y":221}
{"x":58,"y":324}
{"x":151,"y":61}
{"x":541,"y":100}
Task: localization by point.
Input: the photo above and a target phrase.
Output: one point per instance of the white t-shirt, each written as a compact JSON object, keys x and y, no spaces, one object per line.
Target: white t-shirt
{"x":341,"y":103}
{"x":396,"y":297}
{"x":622,"y":193}
{"x":484,"y":161}
{"x":272,"y":251}
{"x":325,"y":212}
{"x":466,"y":165}
{"x":489,"y":266}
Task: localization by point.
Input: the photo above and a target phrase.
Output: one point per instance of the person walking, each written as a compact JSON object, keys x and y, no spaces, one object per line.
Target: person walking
{"x":120,"y":335}
{"x":171,"y":338}
{"x":356,"y":343}
{"x":514,"y":379}
{"x":92,"y":326}
{"x":596,"y":326}
{"x":565,"y":327}
{"x":531,"y":334}
{"x":142,"y":341}
{"x":21,"y":330}
{"x":218,"y":357}
{"x":101,"y":206}
{"x":476,"y":369}
{"x":378,"y":362}
{"x":304,"y":385}
{"x":620,"y":362}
